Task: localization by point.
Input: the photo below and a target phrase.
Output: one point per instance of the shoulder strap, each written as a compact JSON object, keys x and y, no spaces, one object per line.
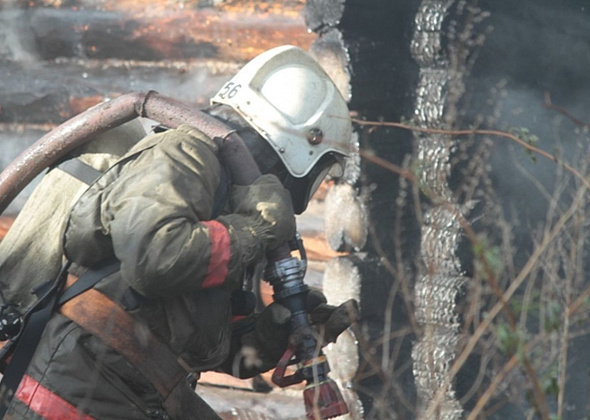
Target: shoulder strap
{"x":88,"y":174}
{"x":221,"y":193}
{"x":80,"y":170}
{"x":90,"y":278}
{"x":22,"y":348}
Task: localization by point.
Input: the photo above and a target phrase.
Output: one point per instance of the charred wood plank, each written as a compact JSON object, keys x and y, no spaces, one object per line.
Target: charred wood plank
{"x":157,"y":6}
{"x":229,"y":34}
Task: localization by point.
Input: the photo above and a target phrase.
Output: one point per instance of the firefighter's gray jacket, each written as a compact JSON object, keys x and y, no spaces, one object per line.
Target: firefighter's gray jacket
{"x":153,"y":211}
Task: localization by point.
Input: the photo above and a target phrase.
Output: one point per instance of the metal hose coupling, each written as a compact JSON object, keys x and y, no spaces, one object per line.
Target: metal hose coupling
{"x":321,"y":396}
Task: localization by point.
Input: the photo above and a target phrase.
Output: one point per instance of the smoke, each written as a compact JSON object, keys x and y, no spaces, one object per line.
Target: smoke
{"x":15,"y":43}
{"x":537,"y":50}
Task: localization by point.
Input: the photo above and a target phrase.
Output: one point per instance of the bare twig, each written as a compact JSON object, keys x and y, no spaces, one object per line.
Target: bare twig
{"x":494,"y":133}
{"x":563,"y":363}
{"x":549,"y":105}
{"x":489,"y":392}
{"x":541,"y":403}
{"x":574,"y":256}
{"x":579,"y":302}
{"x":548,"y":239}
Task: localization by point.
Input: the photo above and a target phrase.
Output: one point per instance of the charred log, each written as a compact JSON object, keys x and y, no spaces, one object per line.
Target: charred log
{"x":57,"y":60}
{"x":229,"y":34}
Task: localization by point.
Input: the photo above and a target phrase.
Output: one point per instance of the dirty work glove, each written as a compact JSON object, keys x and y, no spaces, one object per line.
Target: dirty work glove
{"x":268,"y":204}
{"x":266,"y":335}
{"x":329,"y":320}
{"x":262,"y":218}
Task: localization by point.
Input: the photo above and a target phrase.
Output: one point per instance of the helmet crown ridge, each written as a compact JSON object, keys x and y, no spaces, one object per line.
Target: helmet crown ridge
{"x":287,"y":97}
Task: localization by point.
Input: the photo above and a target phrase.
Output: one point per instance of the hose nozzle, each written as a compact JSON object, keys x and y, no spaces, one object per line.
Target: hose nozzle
{"x":321,"y":396}
{"x":323,"y":401}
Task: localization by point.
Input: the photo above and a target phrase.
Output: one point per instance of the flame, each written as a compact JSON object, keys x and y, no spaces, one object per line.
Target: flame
{"x":5,"y":223}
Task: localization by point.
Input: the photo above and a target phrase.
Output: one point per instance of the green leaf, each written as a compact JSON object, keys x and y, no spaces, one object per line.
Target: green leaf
{"x":508,"y":339}
{"x":553,"y":316}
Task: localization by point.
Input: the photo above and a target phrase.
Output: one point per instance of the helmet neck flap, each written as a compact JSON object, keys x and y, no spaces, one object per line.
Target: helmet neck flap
{"x":269,"y":162}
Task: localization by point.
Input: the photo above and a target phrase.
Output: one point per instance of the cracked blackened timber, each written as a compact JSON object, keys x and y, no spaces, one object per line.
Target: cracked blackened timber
{"x":383,"y":77}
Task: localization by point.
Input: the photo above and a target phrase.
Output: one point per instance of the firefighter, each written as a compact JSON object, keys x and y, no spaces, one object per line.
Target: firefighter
{"x":184,"y":242}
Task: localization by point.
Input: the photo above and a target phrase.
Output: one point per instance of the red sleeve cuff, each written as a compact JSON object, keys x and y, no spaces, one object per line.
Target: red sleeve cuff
{"x":220,"y":254}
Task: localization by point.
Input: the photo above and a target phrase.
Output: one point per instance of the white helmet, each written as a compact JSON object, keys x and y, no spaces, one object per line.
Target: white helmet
{"x":287,"y":97}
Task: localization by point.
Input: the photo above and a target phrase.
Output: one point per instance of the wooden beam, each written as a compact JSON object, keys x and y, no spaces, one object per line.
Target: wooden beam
{"x":230,"y":32}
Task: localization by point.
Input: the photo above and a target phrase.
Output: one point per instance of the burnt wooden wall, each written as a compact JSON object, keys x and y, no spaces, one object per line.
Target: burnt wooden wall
{"x":506,"y":59}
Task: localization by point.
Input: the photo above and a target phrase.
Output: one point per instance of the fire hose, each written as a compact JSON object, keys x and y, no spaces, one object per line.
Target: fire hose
{"x":284,"y":272}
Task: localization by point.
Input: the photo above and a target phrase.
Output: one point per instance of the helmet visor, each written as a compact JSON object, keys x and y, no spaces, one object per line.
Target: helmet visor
{"x":333,"y":170}
{"x":302,"y":189}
